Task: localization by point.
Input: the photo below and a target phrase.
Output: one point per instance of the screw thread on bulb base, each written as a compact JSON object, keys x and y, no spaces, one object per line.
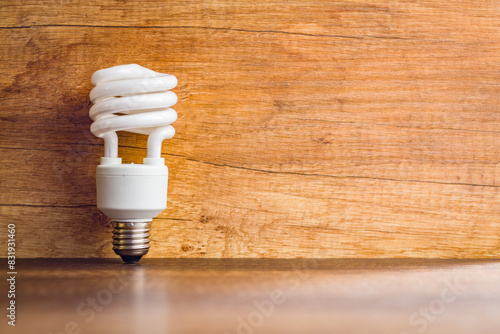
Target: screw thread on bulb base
{"x":131,"y":240}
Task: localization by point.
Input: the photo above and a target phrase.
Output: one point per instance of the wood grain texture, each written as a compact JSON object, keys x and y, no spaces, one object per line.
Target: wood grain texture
{"x":234,"y":296}
{"x":305,"y":129}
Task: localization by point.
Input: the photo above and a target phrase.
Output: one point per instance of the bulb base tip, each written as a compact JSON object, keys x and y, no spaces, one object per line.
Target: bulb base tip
{"x":131,"y":259}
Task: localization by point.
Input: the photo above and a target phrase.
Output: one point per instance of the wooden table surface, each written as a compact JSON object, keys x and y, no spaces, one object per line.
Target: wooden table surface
{"x":257,"y":296}
{"x":306,"y":128}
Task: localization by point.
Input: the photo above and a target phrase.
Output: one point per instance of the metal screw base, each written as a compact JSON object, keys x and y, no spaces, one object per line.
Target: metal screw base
{"x":131,"y":240}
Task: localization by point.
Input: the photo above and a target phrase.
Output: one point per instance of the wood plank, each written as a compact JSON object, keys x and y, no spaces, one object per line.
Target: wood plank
{"x":351,"y":18}
{"x":306,"y":129}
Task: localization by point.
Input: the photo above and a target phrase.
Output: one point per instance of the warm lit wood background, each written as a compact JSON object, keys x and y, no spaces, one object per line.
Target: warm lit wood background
{"x":306,"y":128}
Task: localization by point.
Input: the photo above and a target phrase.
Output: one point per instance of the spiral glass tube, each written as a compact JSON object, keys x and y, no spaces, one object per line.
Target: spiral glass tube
{"x":134,"y":99}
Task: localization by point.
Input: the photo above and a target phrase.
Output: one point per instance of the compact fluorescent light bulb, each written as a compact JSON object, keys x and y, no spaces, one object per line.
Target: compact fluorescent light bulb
{"x":135,"y":99}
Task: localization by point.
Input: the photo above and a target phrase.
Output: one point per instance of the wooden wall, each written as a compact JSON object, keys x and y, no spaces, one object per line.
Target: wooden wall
{"x":306,"y":128}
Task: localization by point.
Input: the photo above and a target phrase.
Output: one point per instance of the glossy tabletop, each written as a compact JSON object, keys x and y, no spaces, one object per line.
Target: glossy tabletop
{"x":256,"y":296}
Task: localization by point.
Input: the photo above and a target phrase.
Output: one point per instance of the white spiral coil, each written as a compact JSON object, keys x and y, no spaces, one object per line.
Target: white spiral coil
{"x":134,"y":99}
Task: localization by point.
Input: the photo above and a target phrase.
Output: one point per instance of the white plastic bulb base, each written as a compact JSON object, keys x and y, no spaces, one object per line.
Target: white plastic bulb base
{"x":131,"y":195}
